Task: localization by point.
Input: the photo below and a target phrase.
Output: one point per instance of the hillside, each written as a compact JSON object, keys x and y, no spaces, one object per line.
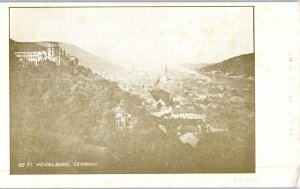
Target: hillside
{"x":240,"y":66}
{"x":96,"y":63}
{"x":67,"y":113}
{"x":25,"y":46}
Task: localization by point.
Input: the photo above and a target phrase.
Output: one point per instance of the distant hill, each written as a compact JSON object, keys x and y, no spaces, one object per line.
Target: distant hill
{"x":239,"y":66}
{"x":96,"y":63}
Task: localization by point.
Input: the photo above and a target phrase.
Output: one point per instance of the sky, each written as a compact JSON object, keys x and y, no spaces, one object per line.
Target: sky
{"x":147,"y":36}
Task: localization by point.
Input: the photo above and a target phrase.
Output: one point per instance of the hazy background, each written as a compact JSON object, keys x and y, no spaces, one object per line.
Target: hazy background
{"x":148,"y":36}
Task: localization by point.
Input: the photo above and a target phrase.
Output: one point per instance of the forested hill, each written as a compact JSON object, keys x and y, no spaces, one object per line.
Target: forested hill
{"x":240,"y":66}
{"x":65,"y":112}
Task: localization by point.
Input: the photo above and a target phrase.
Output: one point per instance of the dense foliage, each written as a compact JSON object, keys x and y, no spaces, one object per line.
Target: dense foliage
{"x":242,"y":66}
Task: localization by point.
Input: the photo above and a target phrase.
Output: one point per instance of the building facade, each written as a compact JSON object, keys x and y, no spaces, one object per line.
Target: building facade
{"x":32,"y":56}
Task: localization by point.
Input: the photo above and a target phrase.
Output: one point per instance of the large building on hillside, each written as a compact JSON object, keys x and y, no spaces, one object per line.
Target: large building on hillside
{"x":30,"y":52}
{"x":52,"y":51}
{"x":32,"y":56}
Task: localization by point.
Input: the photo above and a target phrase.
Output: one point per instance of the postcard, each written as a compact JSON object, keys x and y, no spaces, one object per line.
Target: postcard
{"x":124,"y":92}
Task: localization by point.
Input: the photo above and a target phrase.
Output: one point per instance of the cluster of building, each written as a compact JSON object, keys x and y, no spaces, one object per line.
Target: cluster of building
{"x":163,"y":104}
{"x":51,"y":51}
{"x":178,"y":110}
{"x":191,"y":97}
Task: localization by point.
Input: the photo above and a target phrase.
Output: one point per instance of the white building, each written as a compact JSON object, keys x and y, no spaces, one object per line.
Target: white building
{"x":189,"y":138}
{"x":32,"y":56}
{"x":187,"y":115}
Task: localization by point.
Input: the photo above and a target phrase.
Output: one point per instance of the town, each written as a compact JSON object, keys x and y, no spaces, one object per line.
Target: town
{"x":199,"y":102}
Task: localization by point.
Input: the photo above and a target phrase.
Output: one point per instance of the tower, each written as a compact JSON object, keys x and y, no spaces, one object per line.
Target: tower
{"x":53,"y":49}
{"x":53,"y":52}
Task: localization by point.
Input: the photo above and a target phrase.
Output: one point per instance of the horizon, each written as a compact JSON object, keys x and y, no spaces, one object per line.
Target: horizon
{"x":169,"y":43}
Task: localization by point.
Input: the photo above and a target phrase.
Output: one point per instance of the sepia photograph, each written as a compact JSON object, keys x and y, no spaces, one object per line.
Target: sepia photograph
{"x":132,"y":89}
